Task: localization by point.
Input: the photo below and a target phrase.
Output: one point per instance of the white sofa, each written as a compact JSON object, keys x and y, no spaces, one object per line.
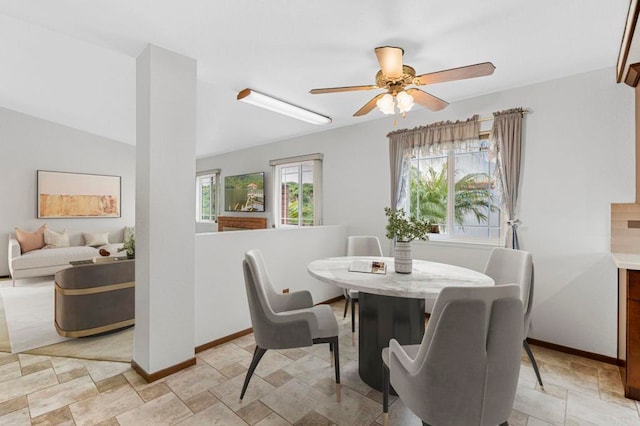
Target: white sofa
{"x":48,"y":261}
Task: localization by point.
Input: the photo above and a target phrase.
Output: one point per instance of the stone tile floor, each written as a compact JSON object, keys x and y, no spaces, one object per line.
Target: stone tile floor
{"x":290,"y":387}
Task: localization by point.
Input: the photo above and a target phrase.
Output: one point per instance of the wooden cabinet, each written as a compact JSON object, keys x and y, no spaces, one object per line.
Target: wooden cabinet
{"x":629,"y":327}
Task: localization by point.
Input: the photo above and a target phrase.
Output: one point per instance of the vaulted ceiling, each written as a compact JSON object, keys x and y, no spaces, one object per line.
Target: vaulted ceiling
{"x":73,"y":61}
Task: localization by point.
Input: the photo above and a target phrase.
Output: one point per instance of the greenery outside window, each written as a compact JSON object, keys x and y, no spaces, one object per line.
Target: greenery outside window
{"x":297,"y":191}
{"x":207,"y":195}
{"x":456,"y":191}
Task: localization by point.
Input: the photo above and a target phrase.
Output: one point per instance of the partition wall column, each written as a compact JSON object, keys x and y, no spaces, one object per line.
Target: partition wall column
{"x":165,"y":212}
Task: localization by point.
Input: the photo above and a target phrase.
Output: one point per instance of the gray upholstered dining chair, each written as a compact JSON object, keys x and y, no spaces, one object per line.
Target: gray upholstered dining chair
{"x":508,"y":266}
{"x":283,"y":321}
{"x":465,"y":371}
{"x":359,"y":246}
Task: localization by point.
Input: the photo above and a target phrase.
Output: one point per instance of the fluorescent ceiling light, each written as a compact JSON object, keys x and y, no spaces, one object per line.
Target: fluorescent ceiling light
{"x":258,"y":99}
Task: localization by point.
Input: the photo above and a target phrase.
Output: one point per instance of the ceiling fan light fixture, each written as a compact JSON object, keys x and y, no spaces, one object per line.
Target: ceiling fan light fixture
{"x":386,"y":104}
{"x":394,"y":77}
{"x":261,"y":100}
{"x":405,"y":101}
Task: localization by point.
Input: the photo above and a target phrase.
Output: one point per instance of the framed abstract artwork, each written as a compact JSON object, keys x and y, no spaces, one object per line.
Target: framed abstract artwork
{"x":77,"y":195}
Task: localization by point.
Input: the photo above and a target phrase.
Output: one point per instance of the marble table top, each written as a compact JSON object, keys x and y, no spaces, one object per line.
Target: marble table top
{"x":425,"y":282}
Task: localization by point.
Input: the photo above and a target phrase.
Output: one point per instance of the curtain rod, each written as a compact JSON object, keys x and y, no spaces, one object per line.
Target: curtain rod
{"x":489,"y":118}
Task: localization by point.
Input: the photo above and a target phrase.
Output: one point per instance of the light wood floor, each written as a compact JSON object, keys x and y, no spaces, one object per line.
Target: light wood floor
{"x":290,"y":387}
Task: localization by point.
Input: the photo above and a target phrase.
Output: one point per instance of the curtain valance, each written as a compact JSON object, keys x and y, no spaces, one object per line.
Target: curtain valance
{"x":440,"y":136}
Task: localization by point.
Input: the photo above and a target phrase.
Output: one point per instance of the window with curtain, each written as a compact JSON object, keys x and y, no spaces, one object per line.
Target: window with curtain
{"x":455,"y":189}
{"x":452,"y":176}
{"x":297,"y":191}
{"x":207,"y":190}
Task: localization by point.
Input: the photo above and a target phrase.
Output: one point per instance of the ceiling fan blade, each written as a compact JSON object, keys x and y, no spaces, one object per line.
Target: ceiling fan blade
{"x":390,"y":60}
{"x":427,"y":100}
{"x":461,"y":73}
{"x":341,"y":89}
{"x":368,"y":106}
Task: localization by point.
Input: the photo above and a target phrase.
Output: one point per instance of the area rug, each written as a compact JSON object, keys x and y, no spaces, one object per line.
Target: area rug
{"x":5,"y":346}
{"x":116,"y":346}
{"x":28,"y":309}
{"x":29,"y":313}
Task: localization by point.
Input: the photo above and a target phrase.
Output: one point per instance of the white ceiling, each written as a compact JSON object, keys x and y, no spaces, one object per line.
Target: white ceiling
{"x":73,"y":61}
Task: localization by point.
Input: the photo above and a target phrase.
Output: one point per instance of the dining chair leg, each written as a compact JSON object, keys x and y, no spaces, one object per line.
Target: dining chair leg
{"x":353,"y":315}
{"x":257,"y":356}
{"x":331,"y":353}
{"x":333,"y":346}
{"x":336,"y":358}
{"x":533,"y":361}
{"x":346,"y":305}
{"x":385,"y":395}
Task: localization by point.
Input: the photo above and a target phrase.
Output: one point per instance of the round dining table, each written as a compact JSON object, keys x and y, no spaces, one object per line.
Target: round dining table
{"x":392,"y":305}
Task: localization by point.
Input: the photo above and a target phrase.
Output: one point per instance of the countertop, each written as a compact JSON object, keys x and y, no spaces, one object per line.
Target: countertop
{"x":626,"y":260}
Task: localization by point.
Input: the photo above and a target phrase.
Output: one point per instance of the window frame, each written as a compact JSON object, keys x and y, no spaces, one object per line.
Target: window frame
{"x":315,"y":160}
{"x":214,"y":197}
{"x":450,"y":222}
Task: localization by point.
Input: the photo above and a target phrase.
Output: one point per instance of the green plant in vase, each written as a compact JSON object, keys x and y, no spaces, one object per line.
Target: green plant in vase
{"x":403,"y":230}
{"x":129,"y":246}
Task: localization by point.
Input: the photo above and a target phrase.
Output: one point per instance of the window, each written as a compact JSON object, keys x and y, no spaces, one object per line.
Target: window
{"x":298,"y":182}
{"x":207,"y":184}
{"x":456,"y":190}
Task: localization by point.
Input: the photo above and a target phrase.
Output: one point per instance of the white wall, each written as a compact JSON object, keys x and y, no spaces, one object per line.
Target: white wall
{"x":348,"y":152}
{"x":577,"y":160}
{"x":28,"y":144}
{"x":165,"y":208}
{"x":220,"y":297}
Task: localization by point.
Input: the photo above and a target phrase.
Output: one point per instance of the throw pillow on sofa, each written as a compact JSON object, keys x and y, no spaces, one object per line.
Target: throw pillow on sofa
{"x":96,"y":239}
{"x":30,"y":240}
{"x":54,"y":239}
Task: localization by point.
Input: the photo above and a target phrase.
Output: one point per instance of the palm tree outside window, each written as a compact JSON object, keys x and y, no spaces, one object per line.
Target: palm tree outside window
{"x":456,"y":191}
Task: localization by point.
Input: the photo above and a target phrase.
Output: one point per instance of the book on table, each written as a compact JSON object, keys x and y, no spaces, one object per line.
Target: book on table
{"x":368,"y":266}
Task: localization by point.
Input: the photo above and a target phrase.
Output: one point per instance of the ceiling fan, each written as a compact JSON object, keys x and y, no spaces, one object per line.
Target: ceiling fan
{"x":394,"y":76}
